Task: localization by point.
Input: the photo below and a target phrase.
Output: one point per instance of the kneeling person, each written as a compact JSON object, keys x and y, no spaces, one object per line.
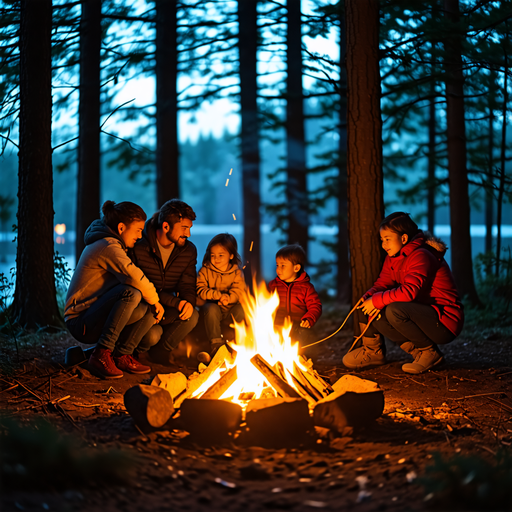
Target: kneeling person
{"x":169,"y":259}
{"x":104,"y":301}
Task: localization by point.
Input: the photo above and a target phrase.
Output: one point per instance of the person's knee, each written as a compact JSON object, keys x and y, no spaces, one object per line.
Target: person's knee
{"x":194,"y":318}
{"x":131,"y":294}
{"x":212,"y":309}
{"x":152,"y":337}
{"x":395,"y":313}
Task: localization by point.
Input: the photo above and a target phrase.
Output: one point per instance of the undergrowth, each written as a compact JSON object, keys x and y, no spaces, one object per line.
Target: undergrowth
{"x":35,"y":455}
{"x":469,"y":482}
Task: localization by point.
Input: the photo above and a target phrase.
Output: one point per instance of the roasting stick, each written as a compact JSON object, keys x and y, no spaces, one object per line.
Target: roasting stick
{"x":370,"y":320}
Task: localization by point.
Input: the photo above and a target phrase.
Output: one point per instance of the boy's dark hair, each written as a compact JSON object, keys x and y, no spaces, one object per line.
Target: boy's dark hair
{"x":125,"y":212}
{"x":173,"y":211}
{"x":229,"y":243}
{"x":294,"y":253}
{"x":401,"y":223}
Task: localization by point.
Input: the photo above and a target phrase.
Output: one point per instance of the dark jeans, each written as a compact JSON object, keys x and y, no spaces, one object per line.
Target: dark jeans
{"x":117,"y":320}
{"x":410,"y":321}
{"x":214,"y":316}
{"x":170,"y":331}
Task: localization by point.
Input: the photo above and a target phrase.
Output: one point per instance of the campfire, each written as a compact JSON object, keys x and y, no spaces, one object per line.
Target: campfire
{"x":260,"y":376}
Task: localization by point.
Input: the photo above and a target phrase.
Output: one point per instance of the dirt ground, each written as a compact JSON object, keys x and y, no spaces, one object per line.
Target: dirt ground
{"x":462,"y":407}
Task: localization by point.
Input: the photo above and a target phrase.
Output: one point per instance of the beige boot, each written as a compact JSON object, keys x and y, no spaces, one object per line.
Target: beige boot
{"x":367,"y":356}
{"x":424,"y":360}
{"x":410,"y":348}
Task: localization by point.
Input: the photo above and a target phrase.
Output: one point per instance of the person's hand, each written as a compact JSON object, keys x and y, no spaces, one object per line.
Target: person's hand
{"x":368,"y":308}
{"x":158,"y":312}
{"x":305,"y":324}
{"x":186,"y":310}
{"x":224,"y":299}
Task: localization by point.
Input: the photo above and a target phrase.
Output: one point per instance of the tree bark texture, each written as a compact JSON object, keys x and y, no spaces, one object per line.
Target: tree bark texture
{"x":364,"y":143}
{"x":296,"y":187}
{"x":167,"y":166}
{"x":343,"y":282}
{"x":88,"y":183}
{"x":462,"y":262}
{"x":489,"y":202}
{"x":250,"y":153}
{"x":35,"y":302}
{"x":431,"y":177}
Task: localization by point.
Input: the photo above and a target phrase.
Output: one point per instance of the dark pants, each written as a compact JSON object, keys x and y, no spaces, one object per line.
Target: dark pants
{"x":170,"y":331}
{"x":214,"y":316}
{"x":411,"y":321}
{"x":117,"y":320}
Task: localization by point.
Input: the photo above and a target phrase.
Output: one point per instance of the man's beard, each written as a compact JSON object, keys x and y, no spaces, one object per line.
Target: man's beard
{"x":180,"y":241}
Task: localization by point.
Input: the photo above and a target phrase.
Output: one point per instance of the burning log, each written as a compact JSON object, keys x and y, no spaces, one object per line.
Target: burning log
{"x":149,"y":406}
{"x":288,"y":376}
{"x":299,"y":375}
{"x":280,"y":385}
{"x":209,"y":420}
{"x":221,"y":386}
{"x":193,"y":385}
{"x":277,"y":421}
{"x":175,"y":383}
{"x":355,"y":402}
{"x":314,"y":379}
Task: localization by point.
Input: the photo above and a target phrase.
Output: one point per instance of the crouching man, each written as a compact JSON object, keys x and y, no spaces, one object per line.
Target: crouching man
{"x":169,"y":260}
{"x":110,"y":302}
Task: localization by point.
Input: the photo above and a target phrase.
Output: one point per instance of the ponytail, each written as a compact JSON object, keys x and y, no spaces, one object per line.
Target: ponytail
{"x":125,"y":212}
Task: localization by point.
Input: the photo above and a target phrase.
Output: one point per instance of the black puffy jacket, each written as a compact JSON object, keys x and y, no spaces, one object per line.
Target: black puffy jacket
{"x":175,"y":282}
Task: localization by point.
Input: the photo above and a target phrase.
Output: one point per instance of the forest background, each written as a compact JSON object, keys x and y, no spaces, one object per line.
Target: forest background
{"x":153,"y":100}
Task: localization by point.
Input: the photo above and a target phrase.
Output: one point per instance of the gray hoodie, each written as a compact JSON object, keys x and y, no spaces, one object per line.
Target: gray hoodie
{"x":103,"y":265}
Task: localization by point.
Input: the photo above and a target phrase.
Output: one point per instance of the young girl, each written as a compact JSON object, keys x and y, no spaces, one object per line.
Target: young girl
{"x":220,"y":283}
{"x":416,"y":296}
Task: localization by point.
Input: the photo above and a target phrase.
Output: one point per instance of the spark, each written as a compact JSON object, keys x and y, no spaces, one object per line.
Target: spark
{"x":227,"y":181}
{"x":230,"y":172}
{"x":234,"y":218}
{"x":252,"y":243}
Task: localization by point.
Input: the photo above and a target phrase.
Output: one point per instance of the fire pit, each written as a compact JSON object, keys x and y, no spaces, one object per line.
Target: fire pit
{"x":258,"y":385}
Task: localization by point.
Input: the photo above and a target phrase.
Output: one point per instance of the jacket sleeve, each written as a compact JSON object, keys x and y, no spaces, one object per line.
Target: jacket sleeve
{"x":203,"y":289}
{"x":313,"y":304}
{"x":414,"y":279}
{"x":383,"y":282}
{"x":237,"y":287}
{"x":186,"y":286}
{"x":117,"y":262}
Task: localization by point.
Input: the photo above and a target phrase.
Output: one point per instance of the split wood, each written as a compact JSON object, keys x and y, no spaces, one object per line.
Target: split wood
{"x":222,"y":385}
{"x":275,"y":381}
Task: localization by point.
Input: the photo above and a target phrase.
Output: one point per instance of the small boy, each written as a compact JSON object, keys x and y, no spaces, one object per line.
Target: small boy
{"x":298,"y":298}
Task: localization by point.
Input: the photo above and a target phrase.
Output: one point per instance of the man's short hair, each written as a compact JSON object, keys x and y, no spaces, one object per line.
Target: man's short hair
{"x":173,"y":211}
{"x":294,"y":253}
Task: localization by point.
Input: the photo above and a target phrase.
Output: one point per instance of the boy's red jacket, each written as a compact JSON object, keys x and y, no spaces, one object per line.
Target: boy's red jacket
{"x":297,"y":299}
{"x":420,"y":274}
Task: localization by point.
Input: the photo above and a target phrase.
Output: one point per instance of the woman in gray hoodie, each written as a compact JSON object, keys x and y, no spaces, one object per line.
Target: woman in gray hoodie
{"x":110,"y":302}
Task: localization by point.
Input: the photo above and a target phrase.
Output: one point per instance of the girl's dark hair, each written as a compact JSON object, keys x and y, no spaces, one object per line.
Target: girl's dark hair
{"x":229,"y":243}
{"x":401,"y":223}
{"x":125,"y":212}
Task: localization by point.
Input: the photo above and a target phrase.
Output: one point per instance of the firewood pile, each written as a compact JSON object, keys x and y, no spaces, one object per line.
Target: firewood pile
{"x":292,"y":403}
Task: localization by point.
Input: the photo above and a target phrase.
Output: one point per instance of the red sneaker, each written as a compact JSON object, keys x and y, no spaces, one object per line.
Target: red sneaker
{"x":129,"y":364}
{"x":102,"y":364}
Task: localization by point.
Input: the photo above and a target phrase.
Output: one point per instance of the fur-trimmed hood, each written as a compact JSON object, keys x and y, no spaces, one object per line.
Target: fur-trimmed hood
{"x":424,"y":238}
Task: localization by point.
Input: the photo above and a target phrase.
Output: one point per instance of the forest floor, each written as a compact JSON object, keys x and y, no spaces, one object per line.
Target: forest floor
{"x":431,"y":426}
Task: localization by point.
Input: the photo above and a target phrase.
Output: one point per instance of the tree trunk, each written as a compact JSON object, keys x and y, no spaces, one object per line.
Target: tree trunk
{"x":343,"y":267}
{"x":250,"y":152}
{"x":431,"y":189}
{"x":364,"y":143}
{"x":462,"y":262}
{"x":88,"y":181}
{"x":296,"y":187}
{"x":490,"y":170}
{"x":167,"y":175}
{"x":35,"y":303}
{"x":501,"y":187}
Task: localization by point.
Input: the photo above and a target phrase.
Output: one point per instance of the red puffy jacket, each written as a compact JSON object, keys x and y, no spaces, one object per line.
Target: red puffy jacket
{"x":297,"y":299}
{"x":420,"y":274}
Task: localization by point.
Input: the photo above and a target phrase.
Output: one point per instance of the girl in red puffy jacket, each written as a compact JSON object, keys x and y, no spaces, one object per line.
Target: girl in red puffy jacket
{"x":414,"y":298}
